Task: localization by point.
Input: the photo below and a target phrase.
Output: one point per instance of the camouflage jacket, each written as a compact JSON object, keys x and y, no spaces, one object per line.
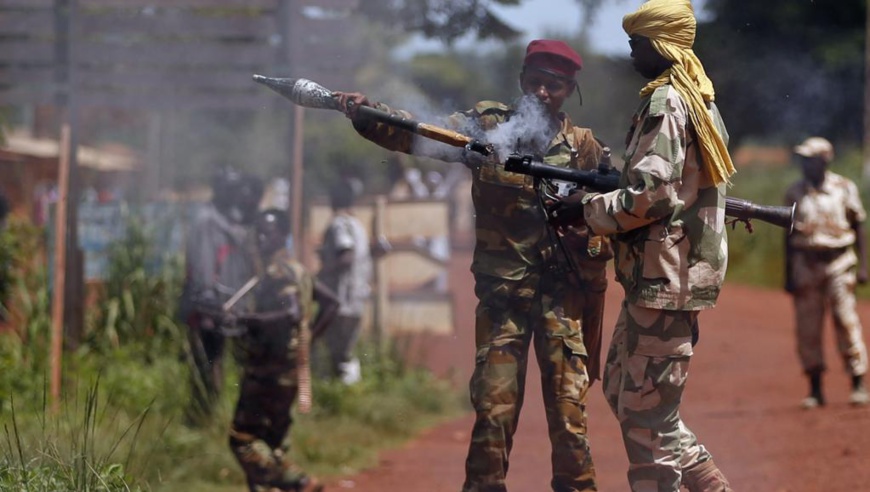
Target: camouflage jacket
{"x":824,"y":217}
{"x":667,"y":219}
{"x":513,"y":237}
{"x":272,"y":348}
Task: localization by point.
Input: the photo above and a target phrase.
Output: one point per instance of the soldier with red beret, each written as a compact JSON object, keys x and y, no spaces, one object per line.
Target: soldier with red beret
{"x":529,"y":290}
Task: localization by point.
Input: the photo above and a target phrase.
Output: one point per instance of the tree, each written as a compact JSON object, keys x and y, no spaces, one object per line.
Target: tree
{"x":787,"y":69}
{"x":448,"y":20}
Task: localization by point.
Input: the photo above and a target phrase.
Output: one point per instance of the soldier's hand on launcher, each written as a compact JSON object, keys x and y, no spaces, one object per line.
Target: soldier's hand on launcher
{"x":567,"y":211}
{"x":355,"y":99}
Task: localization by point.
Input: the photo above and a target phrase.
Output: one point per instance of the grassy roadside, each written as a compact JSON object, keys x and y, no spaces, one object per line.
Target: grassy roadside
{"x":121,"y":424}
{"x":120,"y":428}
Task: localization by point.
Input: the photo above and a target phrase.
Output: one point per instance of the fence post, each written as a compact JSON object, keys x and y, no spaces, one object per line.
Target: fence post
{"x":381,"y":281}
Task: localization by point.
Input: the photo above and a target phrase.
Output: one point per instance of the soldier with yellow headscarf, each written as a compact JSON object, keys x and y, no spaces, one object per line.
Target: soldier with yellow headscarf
{"x":668,"y":225}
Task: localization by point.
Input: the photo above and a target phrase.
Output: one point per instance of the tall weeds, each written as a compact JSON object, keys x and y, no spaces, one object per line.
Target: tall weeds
{"x":69,"y":451}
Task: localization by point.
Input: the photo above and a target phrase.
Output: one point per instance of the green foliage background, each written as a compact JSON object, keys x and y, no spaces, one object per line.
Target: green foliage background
{"x":121,"y":425}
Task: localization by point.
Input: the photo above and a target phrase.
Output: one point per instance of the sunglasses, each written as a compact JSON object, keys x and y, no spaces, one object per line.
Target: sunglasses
{"x":634,"y":42}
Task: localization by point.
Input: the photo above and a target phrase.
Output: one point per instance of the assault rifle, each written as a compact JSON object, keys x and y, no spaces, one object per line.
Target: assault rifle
{"x":605,"y":179}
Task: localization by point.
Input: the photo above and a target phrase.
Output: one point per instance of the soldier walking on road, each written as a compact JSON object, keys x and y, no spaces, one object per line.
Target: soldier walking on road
{"x":526,"y":294}
{"x":668,"y":225}
{"x":822,"y":267}
{"x":269,"y":354}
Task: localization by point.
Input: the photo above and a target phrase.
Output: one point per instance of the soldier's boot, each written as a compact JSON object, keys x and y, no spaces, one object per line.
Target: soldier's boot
{"x":859,"y":395}
{"x":816,"y":398}
{"x":705,"y":477}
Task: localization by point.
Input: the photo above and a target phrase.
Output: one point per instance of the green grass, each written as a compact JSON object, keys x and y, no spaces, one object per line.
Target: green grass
{"x":121,"y":427}
{"x":121,"y":422}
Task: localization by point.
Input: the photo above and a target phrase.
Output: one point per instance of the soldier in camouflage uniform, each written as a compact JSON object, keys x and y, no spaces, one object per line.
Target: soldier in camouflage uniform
{"x":268,"y":351}
{"x":667,"y":222}
{"x":525,"y":295}
{"x":821,"y":267}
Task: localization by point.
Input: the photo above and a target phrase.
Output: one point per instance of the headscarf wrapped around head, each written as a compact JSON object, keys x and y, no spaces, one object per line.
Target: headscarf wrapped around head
{"x":670,"y":26}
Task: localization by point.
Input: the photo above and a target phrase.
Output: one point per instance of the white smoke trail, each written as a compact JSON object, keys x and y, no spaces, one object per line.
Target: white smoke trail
{"x":529,"y":130}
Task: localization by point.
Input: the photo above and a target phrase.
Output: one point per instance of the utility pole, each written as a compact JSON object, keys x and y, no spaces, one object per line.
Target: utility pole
{"x":289,"y":56}
{"x":67,"y":280}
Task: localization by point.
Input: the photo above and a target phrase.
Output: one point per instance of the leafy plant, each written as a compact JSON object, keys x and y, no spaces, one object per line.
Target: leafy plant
{"x":140,"y":293}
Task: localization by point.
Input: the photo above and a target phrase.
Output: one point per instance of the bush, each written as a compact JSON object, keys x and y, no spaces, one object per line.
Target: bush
{"x":140,"y":296}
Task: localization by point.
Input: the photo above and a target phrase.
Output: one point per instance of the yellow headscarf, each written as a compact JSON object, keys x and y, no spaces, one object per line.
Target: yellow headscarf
{"x":670,"y":26}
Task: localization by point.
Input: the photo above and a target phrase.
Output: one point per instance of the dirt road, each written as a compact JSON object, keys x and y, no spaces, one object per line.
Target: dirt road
{"x":742,"y":401}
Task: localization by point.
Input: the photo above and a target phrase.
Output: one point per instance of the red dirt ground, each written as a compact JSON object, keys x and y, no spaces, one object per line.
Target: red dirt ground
{"x":742,"y":401}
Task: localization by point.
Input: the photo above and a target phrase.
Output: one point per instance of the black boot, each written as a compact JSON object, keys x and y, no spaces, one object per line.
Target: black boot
{"x":859,"y":394}
{"x":816,"y":398}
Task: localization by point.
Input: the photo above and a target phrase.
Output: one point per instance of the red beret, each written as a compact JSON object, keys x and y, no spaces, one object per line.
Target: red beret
{"x":563,"y":60}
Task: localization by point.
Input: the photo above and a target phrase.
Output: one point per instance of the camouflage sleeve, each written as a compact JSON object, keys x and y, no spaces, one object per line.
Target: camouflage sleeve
{"x":386,"y":136}
{"x":651,"y":180}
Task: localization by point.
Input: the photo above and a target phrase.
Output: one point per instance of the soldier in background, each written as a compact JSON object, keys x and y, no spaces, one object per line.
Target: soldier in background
{"x":218,"y":262}
{"x":822,"y":267}
{"x":284,"y":300}
{"x":526,"y":290}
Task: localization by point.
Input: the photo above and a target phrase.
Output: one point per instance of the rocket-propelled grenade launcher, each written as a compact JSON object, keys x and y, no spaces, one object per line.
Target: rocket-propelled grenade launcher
{"x":310,"y":94}
{"x":605,"y":180}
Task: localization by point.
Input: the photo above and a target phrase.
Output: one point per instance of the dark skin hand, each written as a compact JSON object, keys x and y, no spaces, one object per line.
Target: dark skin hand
{"x":355,"y":99}
{"x":568,"y":211}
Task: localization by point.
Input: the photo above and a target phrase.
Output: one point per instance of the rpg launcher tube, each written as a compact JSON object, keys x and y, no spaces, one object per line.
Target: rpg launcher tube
{"x":737,"y":208}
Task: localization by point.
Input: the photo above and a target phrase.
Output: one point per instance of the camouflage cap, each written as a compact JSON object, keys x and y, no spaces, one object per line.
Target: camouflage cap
{"x":816,"y":147}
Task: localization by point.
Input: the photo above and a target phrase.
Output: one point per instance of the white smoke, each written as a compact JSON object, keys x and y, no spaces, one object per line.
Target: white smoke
{"x":529,"y":131}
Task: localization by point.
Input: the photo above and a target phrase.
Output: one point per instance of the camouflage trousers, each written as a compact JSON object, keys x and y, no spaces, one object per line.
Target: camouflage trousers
{"x":511,"y":315}
{"x":644,"y":377}
{"x":258,"y":436}
{"x":827,"y":283}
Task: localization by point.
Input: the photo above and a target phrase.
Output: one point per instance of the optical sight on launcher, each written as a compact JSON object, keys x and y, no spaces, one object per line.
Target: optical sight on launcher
{"x":607,"y":179}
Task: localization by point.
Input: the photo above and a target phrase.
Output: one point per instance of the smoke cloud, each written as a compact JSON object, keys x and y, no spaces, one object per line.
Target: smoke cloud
{"x":528,"y":131}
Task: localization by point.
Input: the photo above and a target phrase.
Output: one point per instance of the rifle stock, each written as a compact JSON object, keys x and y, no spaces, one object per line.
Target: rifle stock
{"x":604,"y":181}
